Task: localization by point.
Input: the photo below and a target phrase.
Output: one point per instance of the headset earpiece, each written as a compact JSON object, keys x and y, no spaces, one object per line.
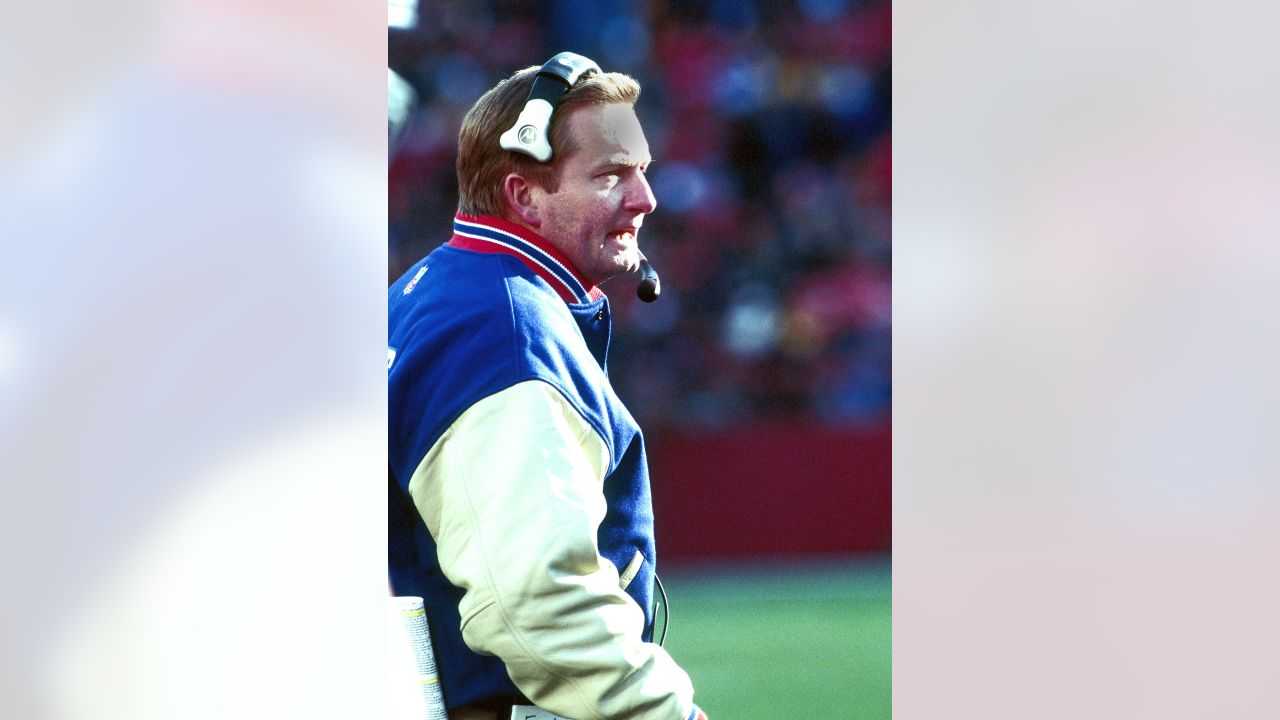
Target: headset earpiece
{"x":529,"y":135}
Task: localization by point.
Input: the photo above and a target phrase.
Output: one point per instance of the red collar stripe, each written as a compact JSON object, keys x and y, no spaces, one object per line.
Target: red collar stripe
{"x":488,"y":234}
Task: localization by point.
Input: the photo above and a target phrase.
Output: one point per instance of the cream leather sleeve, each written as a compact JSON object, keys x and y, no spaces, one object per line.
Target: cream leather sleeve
{"x":513,"y":495}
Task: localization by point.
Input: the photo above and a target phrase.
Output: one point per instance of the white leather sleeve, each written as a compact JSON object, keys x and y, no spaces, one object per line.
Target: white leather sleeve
{"x":513,"y":495}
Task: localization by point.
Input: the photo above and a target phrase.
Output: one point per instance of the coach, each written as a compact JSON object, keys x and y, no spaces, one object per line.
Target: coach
{"x":519,"y":495}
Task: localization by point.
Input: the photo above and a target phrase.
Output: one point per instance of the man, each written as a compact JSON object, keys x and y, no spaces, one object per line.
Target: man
{"x":519,"y":493}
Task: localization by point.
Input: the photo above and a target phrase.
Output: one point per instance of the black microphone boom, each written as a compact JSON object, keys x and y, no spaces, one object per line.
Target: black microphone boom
{"x":650,"y":286}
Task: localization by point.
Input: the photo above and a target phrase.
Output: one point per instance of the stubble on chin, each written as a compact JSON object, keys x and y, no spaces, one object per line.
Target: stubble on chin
{"x":618,"y":259}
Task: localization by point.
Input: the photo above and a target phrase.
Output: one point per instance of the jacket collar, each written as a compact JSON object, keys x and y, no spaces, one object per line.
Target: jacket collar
{"x":487,"y":234}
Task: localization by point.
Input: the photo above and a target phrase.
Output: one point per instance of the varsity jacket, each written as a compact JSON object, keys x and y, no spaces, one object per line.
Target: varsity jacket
{"x":519,"y":491}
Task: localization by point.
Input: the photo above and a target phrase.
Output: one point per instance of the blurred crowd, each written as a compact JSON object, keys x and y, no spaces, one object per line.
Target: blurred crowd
{"x":769,"y":125}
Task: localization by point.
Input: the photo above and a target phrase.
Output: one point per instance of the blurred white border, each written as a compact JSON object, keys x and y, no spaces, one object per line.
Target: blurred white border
{"x":192,"y":393}
{"x":1084,"y":277}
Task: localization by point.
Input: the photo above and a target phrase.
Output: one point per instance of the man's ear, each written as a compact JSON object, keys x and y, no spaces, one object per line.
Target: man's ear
{"x":522,"y":198}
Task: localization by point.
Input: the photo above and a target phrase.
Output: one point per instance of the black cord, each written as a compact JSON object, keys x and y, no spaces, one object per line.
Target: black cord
{"x":666,"y":610}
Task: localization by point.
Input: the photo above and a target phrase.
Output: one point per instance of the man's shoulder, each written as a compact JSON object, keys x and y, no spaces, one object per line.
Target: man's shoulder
{"x":446,"y":278}
{"x":463,"y":326}
{"x":455,"y":279}
{"x":454,"y":299}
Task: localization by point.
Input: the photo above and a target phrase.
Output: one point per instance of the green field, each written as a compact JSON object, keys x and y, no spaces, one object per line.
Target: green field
{"x":785,"y":640}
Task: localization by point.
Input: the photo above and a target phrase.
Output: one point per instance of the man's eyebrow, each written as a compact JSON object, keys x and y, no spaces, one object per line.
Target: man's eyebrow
{"x":612,"y":163}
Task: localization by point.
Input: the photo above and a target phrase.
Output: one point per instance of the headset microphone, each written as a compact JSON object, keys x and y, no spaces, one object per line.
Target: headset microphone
{"x":650,"y":286}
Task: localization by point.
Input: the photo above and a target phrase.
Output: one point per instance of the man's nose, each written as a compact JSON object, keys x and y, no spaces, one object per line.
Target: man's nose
{"x":640,"y":196}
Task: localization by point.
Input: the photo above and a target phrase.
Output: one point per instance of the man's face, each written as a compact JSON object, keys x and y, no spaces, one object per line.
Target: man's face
{"x":595,"y":215}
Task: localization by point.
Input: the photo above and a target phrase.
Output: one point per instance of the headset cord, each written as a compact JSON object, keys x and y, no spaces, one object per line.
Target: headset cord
{"x":666,"y":609}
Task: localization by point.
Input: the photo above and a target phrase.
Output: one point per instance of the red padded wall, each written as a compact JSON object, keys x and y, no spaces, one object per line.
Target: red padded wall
{"x":781,"y":488}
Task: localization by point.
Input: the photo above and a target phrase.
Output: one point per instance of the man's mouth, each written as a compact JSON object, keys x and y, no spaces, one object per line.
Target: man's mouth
{"x":623,"y":236}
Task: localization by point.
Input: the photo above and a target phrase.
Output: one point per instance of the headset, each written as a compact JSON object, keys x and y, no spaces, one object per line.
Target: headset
{"x":531,"y":133}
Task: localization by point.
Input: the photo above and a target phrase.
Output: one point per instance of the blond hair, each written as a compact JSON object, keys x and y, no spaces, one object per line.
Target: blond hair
{"x":483,"y":164}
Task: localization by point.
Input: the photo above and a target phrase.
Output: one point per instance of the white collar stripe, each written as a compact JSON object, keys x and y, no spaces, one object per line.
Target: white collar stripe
{"x":580,"y":296}
{"x":548,"y":262}
{"x":566,"y":275}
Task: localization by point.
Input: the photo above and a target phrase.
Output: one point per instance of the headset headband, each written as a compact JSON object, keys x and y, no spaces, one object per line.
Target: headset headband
{"x":530,"y":133}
